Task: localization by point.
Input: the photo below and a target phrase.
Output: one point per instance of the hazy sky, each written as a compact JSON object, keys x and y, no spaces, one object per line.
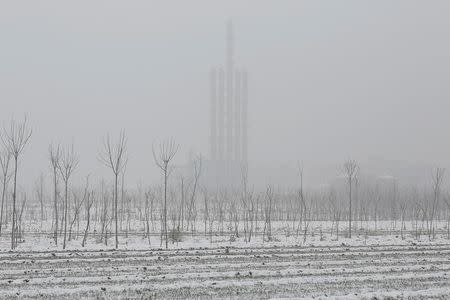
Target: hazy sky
{"x":327,"y":79}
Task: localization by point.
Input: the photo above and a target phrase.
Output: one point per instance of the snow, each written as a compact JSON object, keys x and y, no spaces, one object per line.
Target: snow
{"x":378,"y":265}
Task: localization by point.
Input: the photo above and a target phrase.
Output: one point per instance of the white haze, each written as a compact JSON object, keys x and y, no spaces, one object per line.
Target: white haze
{"x":328,"y":80}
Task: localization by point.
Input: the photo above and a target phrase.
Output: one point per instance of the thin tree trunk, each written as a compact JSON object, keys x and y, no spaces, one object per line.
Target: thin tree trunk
{"x":65,"y":215}
{"x":13,"y":228}
{"x":165,"y":206}
{"x":87,"y":227}
{"x":3,"y":201}
{"x":115,"y":211}
{"x":350,"y":208}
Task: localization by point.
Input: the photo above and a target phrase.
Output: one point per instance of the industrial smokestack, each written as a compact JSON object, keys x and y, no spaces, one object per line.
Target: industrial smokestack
{"x":244,"y":119}
{"x":213,"y":112}
{"x":221,"y":113}
{"x":228,"y":131}
{"x":229,"y":69}
{"x":237,"y":117}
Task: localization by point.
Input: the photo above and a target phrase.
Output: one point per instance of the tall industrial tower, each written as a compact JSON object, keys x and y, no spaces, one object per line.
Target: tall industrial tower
{"x":229,"y":108}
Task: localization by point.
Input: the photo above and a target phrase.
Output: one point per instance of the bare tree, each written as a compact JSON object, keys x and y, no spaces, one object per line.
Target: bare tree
{"x":19,"y":229}
{"x":166,"y":153}
{"x":66,"y":165}
{"x":197,"y":170}
{"x":5,"y":159}
{"x":113,"y":156}
{"x":122,"y":193}
{"x":183,"y":203}
{"x":104,"y":213}
{"x":301,"y":198}
{"x":403,"y":205}
{"x":447,"y":204}
{"x":206,"y":212}
{"x":149,"y":197}
{"x":350,"y":172}
{"x":268,"y":214}
{"x":88,"y":205}
{"x":307,"y":218}
{"x":39,"y":190}
{"x":55,"y":155}
{"x":437,"y":177}
{"x":78,"y":205}
{"x":247,"y":204}
{"x":15,"y":138}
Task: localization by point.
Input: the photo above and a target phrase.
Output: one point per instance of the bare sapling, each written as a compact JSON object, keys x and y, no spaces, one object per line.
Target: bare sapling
{"x":267,"y":233}
{"x":19,"y":227}
{"x":88,"y":205}
{"x":149,"y":197}
{"x":402,"y":207}
{"x":114,"y":157}
{"x":205,"y":210}
{"x":301,"y":200}
{"x":5,"y":159}
{"x":437,"y":178}
{"x":447,"y":204}
{"x":67,"y":164}
{"x":39,"y":191}
{"x":350,"y":173}
{"x":77,"y":205}
{"x":55,"y":155}
{"x":163,"y":158}
{"x":197,"y":170}
{"x":14,"y":139}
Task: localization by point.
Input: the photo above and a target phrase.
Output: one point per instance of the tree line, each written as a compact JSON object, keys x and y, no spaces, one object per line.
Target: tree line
{"x":182,"y":204}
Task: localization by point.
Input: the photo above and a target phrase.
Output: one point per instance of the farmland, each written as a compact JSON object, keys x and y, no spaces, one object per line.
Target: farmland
{"x":364,"y":267}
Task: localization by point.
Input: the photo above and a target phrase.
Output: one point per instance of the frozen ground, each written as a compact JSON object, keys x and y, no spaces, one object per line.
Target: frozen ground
{"x":373,"y":267}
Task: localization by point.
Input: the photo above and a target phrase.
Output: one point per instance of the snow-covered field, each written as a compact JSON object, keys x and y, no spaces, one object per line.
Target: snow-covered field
{"x":368,"y":267}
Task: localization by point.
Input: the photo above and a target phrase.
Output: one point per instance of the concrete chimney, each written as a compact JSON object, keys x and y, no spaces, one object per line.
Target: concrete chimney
{"x":244,"y":118}
{"x":229,"y":69}
{"x":221,"y":114}
{"x":237,"y":117}
{"x":213,"y":114}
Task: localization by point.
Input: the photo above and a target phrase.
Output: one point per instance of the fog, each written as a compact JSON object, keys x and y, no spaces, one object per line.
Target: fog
{"x":328,"y":80}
